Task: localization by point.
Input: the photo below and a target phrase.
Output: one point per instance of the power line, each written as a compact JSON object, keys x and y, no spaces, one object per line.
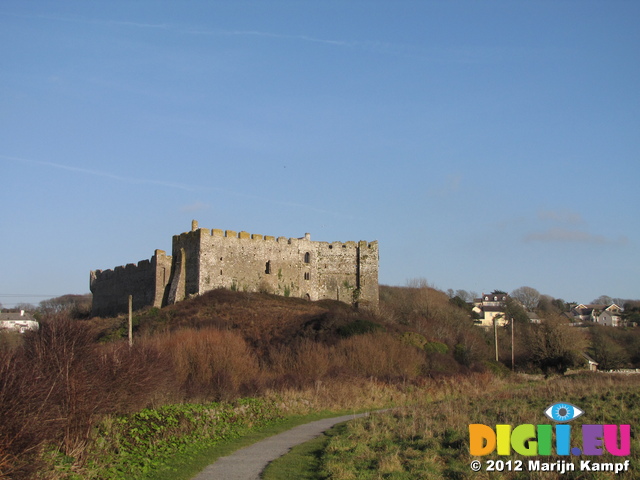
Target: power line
{"x":23,"y":295}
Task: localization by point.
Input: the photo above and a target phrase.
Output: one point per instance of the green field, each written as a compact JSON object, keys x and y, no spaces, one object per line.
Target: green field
{"x":430,"y":439}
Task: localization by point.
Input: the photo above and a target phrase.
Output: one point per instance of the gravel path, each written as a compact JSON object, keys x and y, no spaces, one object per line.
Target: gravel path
{"x":249,"y":462}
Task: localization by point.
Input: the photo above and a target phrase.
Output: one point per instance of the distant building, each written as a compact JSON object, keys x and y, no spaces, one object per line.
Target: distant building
{"x":591,"y":364}
{"x":602,"y":314}
{"x":533,"y":317}
{"x":19,"y":321}
{"x":204,"y":260}
{"x":491,"y":306}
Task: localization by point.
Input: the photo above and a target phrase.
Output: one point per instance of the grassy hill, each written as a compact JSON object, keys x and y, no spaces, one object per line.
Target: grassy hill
{"x":59,"y":383}
{"x":262,"y":319}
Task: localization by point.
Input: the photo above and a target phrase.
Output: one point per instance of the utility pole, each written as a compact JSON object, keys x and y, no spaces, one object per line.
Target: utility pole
{"x":495,"y":334}
{"x":130,"y":320}
{"x":513,"y":355}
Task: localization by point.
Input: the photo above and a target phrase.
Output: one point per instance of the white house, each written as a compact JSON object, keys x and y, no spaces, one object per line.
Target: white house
{"x":489,"y":307}
{"x":20,"y":321}
{"x":609,"y":315}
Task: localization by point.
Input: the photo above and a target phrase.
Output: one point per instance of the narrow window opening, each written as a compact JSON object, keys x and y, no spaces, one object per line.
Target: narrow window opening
{"x":267,"y":268}
{"x":307,"y":257}
{"x":307,"y":276}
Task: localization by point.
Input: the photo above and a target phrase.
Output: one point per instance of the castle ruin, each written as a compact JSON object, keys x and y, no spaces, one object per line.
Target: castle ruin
{"x":204,"y":260}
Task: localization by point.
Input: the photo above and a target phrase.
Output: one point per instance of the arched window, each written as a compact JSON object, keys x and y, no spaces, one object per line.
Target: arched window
{"x":307,"y":257}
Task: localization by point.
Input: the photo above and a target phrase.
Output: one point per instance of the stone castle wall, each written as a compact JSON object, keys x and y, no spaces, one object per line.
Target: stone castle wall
{"x":206,"y":259}
{"x":147,"y":282}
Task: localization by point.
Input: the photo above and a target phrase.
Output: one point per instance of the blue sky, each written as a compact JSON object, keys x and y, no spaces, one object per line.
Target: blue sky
{"x":485,"y":145}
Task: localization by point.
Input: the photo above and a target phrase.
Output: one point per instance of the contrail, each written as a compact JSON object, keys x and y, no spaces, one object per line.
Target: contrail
{"x":163,"y":183}
{"x":99,"y":173}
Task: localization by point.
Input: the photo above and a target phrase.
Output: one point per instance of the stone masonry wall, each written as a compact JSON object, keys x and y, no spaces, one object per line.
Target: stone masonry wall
{"x":295,"y":267}
{"x":146,"y":282}
{"x":206,"y":259}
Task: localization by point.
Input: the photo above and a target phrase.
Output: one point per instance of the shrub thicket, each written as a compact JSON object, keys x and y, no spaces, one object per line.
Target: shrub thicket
{"x":60,"y":381}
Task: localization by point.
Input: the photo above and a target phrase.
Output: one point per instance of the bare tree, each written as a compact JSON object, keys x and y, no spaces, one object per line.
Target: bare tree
{"x":603,"y":300}
{"x":550,"y":305}
{"x":77,"y":305}
{"x":464,"y":295}
{"x":528,"y":296}
{"x":27,"y":307}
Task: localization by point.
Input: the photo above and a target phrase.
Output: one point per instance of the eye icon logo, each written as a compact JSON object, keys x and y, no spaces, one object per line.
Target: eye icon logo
{"x":563,"y":412}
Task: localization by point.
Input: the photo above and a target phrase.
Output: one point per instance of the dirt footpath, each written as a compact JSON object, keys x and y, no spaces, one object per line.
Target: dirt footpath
{"x":249,"y":462}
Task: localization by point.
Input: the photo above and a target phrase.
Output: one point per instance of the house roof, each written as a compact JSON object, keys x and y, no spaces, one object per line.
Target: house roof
{"x":494,"y":297}
{"x":16,"y":316}
{"x":598,"y":306}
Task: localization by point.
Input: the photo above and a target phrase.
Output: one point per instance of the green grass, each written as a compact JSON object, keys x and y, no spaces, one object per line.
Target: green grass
{"x":140,"y":444}
{"x":303,"y":462}
{"x":190,"y":464}
{"x":430,"y":440}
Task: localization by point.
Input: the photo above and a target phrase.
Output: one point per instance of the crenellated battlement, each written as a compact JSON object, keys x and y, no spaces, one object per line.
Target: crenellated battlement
{"x":242,"y":235}
{"x":204,"y":259}
{"x":129,"y":268}
{"x":146,"y":280}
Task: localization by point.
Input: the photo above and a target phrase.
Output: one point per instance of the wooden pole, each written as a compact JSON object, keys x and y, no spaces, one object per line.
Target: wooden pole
{"x":131,"y":320}
{"x":513,"y":355}
{"x":495,"y":335}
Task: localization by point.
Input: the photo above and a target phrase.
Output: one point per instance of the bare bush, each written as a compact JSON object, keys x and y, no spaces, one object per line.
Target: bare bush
{"x":209,"y":363}
{"x":380,"y":355}
{"x":19,"y":416}
{"x":301,"y":364}
{"x":135,"y":377}
{"x":55,"y":387}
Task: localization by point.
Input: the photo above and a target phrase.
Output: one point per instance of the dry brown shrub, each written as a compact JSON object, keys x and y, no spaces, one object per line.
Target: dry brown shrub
{"x":313,"y":361}
{"x":19,"y":417}
{"x":299,"y":365}
{"x":135,"y":377}
{"x":46,"y":394}
{"x":55,"y":387}
{"x":60,"y":355}
{"x":209,"y":363}
{"x":380,"y":355}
